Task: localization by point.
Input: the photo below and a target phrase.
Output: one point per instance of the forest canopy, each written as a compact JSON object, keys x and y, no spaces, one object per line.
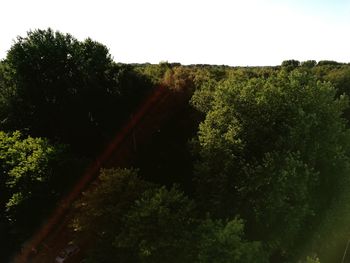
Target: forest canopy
{"x":231,"y":164}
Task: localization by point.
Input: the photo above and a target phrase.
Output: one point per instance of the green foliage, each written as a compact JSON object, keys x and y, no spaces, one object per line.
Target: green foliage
{"x":309,"y":63}
{"x":328,"y":63}
{"x":202,"y":98}
{"x":34,"y":173}
{"x":99,"y":202}
{"x":273,"y":151}
{"x":223,"y":242}
{"x":158,"y":228}
{"x":153,"y":71}
{"x":290,"y":64}
{"x":340,"y":78}
{"x":26,"y":165}
{"x":309,"y":259}
{"x":178,"y":78}
{"x":100,"y":211}
{"x":7,"y":91}
{"x":66,"y":89}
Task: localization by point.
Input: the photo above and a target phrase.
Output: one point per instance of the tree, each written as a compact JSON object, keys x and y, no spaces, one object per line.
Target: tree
{"x":275,"y":152}
{"x":69,"y":90}
{"x":309,"y":63}
{"x":153,"y":71}
{"x":26,"y":165}
{"x":7,"y":91}
{"x":159,"y":228}
{"x":100,"y":211}
{"x":30,"y":169}
{"x":179,"y":78}
{"x":328,"y":63}
{"x":290,"y":64}
{"x":221,"y":242}
{"x":161,"y":225}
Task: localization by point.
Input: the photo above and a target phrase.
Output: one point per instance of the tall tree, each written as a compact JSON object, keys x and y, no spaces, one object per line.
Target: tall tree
{"x":69,"y":90}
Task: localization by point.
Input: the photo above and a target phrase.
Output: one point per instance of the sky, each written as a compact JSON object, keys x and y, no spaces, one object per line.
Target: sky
{"x":230,"y":32}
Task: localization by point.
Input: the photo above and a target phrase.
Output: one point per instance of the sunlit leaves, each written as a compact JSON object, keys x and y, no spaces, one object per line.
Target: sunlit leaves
{"x":268,"y":150}
{"x":26,"y":166}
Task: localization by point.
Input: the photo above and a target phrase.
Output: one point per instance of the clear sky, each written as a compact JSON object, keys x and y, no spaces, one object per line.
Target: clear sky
{"x":231,"y":32}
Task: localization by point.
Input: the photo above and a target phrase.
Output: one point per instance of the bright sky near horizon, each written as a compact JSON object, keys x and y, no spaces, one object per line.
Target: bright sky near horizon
{"x":231,"y":32}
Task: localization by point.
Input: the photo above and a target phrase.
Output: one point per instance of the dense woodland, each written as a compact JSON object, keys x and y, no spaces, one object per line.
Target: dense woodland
{"x":254,"y":168}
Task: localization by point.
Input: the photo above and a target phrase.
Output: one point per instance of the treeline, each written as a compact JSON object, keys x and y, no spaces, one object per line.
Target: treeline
{"x":255,"y":168}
